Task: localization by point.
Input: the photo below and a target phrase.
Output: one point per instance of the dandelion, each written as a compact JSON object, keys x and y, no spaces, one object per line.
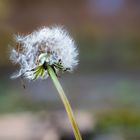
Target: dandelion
{"x":46,"y":53}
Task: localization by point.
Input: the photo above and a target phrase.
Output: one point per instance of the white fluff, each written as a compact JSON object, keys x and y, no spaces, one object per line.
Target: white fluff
{"x":55,"y":40}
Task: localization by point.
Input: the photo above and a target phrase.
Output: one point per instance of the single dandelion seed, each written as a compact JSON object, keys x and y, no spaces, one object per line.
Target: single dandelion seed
{"x":45,"y":53}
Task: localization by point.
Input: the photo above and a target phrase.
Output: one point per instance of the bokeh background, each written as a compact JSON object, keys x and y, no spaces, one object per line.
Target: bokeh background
{"x":103,"y":90}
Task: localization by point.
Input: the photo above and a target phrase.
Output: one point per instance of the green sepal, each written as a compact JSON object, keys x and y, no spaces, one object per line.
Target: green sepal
{"x":37,"y":72}
{"x":42,"y":71}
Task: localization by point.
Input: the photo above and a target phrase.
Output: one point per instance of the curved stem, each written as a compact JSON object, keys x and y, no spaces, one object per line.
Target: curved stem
{"x":65,"y":102}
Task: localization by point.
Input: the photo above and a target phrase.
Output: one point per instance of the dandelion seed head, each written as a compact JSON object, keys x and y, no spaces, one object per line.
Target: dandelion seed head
{"x":50,"y":45}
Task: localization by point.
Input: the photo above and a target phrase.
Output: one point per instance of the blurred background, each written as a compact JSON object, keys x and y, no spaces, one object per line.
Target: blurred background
{"x":103,"y":90}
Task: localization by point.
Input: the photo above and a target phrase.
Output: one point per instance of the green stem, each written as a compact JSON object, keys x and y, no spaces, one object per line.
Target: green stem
{"x":65,"y":102}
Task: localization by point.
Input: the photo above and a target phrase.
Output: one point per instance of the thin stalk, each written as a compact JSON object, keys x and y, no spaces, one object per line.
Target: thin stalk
{"x":65,"y":102}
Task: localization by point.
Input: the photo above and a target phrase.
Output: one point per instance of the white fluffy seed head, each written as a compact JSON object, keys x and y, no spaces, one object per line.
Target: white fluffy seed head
{"x":46,"y":44}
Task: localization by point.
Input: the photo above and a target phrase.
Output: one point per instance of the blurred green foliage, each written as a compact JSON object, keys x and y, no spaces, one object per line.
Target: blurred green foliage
{"x":124,"y":121}
{"x":123,"y":118}
{"x":14,"y":102}
{"x":114,"y":53}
